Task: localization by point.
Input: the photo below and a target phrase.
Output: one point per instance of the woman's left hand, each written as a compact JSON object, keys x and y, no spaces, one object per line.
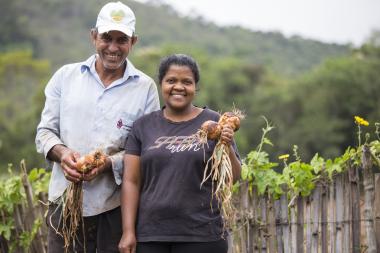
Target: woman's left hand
{"x":227,"y":134}
{"x":127,"y":243}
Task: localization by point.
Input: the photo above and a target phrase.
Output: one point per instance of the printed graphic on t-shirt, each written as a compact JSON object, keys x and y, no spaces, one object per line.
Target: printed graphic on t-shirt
{"x":177,"y":143}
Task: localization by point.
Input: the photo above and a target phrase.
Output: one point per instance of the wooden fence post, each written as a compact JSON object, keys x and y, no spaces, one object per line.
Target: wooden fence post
{"x":285,"y":223}
{"x":253,"y":223}
{"x":377,"y":209}
{"x":315,"y":211}
{"x":263,"y":225}
{"x":331,"y":216}
{"x":324,"y":199}
{"x":271,"y":225}
{"x":38,"y":241}
{"x":279,"y":234}
{"x":369,"y":199}
{"x":355,"y":208}
{"x":339,"y":213}
{"x":293,"y":227}
{"x":244,"y":211}
{"x":308,"y":223}
{"x":347,"y":214}
{"x":300,"y":222}
{"x":19,"y":225}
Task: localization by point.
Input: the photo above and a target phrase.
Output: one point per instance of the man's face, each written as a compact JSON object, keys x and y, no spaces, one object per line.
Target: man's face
{"x":113,"y":48}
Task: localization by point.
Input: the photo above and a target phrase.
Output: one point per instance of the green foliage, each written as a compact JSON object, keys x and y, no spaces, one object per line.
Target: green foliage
{"x":26,"y":237}
{"x":299,"y":178}
{"x":22,"y":82}
{"x":12,"y":194}
{"x":39,"y":178}
{"x":6,"y":228}
{"x":258,"y":170}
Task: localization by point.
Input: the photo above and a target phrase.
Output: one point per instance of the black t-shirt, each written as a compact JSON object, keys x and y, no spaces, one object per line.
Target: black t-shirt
{"x":173,"y":206}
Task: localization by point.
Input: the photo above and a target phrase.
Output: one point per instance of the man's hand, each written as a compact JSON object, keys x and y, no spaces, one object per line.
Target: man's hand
{"x":67,"y":158}
{"x":68,"y":165}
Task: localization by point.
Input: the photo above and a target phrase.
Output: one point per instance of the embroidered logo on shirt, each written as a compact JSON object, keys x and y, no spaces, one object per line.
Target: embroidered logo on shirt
{"x":120,"y":125}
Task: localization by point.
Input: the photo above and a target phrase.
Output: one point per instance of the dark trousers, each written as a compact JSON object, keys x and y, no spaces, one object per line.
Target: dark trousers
{"x":220,"y":246}
{"x":102,"y":232}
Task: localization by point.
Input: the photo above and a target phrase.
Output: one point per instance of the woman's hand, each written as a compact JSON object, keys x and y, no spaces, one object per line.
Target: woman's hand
{"x":127,"y":243}
{"x":227,"y":134}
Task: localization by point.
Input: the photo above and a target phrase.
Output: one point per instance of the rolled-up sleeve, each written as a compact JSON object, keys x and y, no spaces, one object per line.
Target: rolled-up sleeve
{"x":48,"y":129}
{"x":117,"y":166}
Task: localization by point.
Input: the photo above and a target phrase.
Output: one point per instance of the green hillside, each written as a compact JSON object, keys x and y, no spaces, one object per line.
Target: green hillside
{"x":308,"y":90}
{"x":59,"y":31}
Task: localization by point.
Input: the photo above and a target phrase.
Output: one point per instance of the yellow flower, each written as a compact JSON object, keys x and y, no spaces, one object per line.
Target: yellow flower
{"x":361,"y":121}
{"x":283,"y":157}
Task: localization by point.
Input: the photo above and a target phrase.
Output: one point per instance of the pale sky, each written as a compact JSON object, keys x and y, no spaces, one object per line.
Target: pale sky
{"x":339,"y":21}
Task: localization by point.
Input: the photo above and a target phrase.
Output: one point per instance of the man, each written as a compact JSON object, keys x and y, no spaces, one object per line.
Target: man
{"x":91,"y":106}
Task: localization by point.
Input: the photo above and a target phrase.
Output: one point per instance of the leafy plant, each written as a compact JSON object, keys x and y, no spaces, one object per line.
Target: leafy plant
{"x":299,"y":178}
{"x":12,"y":197}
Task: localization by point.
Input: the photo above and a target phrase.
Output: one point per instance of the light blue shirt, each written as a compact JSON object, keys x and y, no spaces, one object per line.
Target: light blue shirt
{"x":84,"y":115}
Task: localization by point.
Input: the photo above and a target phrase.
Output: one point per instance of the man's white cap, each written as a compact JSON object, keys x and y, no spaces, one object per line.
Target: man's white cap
{"x":116,"y":16}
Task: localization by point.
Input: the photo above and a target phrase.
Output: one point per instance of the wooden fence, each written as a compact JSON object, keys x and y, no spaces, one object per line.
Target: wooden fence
{"x":338,"y":217}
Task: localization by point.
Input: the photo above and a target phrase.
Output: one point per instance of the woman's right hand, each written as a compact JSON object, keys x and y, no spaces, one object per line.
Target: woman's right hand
{"x":127,"y":243}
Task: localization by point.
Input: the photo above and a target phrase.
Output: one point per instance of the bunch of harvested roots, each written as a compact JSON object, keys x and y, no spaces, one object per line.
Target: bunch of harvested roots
{"x":219,"y":162}
{"x":72,"y":199}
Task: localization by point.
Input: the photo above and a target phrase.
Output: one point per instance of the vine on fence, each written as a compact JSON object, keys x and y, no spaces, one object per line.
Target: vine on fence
{"x":299,"y":177}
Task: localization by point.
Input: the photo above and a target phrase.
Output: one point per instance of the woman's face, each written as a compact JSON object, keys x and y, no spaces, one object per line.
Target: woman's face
{"x":178,"y":88}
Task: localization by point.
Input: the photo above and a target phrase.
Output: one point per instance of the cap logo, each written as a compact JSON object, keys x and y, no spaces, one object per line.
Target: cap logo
{"x":117,"y":16}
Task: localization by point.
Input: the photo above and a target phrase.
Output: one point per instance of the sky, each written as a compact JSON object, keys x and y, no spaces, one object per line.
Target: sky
{"x":332,"y":21}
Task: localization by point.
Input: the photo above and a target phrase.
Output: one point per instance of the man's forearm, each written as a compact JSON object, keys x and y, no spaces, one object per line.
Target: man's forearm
{"x":56,"y":152}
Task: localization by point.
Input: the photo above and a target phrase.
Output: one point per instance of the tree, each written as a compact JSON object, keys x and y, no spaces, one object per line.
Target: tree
{"x":22,"y":81}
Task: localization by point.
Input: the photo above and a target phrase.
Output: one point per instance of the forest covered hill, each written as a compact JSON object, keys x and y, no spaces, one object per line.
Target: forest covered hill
{"x":59,"y":31}
{"x":308,"y":90}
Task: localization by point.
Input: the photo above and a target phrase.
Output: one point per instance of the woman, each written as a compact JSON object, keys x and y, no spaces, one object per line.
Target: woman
{"x":164,"y":208}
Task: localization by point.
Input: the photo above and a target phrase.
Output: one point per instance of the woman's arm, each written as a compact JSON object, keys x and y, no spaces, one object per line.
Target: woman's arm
{"x":130,"y":192}
{"x":227,"y":136}
{"x":236,"y":166}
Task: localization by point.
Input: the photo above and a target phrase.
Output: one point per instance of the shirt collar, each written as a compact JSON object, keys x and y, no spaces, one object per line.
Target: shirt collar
{"x":89,"y":65}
